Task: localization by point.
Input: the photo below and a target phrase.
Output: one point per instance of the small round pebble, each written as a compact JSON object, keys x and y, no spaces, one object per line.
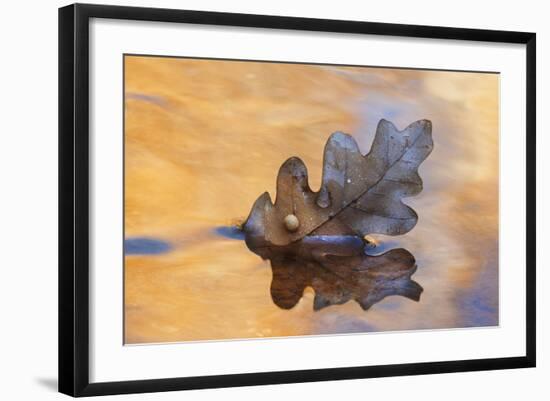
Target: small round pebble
{"x":291,"y":222}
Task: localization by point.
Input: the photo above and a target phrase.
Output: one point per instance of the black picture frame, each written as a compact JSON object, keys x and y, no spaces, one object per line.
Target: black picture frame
{"x":74,"y":198}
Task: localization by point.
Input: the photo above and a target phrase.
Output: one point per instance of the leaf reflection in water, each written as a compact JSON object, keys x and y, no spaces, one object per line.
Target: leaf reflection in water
{"x":338,"y":270}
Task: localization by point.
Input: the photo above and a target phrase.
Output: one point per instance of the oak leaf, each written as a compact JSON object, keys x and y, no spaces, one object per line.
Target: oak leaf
{"x":359,"y":195}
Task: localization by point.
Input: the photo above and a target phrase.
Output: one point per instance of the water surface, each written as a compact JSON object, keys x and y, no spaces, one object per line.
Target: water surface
{"x":205,"y":138}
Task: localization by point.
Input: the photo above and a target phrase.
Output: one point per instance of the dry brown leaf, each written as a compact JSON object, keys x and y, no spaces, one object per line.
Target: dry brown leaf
{"x":359,"y":194}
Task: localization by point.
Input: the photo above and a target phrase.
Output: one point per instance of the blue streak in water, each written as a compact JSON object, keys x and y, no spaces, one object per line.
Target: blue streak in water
{"x":145,"y":246}
{"x":231,"y":232}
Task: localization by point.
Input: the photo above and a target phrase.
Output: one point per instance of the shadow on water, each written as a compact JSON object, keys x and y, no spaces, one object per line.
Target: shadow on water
{"x":145,"y":246}
{"x":338,"y":268}
{"x":339,"y":279}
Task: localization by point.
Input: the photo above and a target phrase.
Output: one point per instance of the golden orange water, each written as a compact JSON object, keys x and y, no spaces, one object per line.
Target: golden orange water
{"x":203,"y":139}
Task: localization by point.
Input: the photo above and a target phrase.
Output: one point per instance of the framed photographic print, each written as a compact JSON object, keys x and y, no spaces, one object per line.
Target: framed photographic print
{"x":251,"y":199}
